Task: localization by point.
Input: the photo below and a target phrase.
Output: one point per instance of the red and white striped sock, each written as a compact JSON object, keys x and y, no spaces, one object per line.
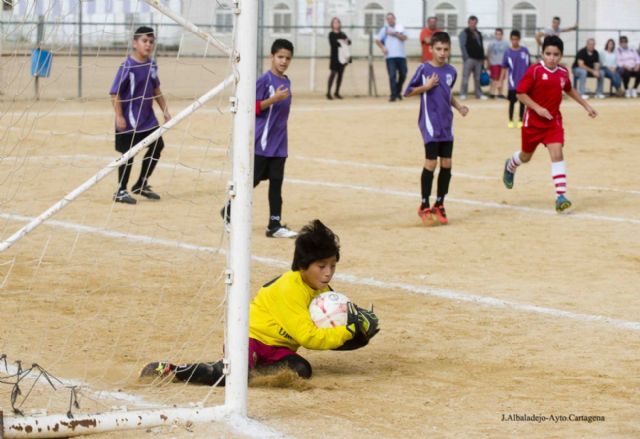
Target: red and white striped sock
{"x":559,"y":173}
{"x":514,"y":162}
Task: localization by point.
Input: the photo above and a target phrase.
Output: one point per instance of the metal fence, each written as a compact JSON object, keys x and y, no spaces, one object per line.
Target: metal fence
{"x":78,"y":40}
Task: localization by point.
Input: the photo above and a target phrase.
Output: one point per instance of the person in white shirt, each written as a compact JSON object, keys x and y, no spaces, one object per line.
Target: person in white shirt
{"x":391,"y":40}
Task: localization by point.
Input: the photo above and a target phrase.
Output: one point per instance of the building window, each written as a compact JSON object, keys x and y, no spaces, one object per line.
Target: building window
{"x":525,"y":19}
{"x":224,"y":21}
{"x":447,"y":16}
{"x":281,"y":19}
{"x":373,"y":18}
{"x":7,"y":5}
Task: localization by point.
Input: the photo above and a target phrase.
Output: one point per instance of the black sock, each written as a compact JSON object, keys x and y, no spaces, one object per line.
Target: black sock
{"x":426,"y":182}
{"x":444,"y":177}
{"x":200,"y":373}
{"x":274,"y":223}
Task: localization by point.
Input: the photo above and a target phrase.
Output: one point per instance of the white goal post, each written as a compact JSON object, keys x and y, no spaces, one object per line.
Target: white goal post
{"x":237,"y":275}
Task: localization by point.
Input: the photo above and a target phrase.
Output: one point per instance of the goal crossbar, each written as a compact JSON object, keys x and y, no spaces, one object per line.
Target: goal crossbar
{"x":191,"y":27}
{"x":6,"y":244}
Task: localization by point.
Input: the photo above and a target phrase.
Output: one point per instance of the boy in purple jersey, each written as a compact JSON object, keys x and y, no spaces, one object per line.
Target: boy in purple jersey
{"x":273,"y":102}
{"x":433,"y":81}
{"x":134,"y":89}
{"x":515,"y":63}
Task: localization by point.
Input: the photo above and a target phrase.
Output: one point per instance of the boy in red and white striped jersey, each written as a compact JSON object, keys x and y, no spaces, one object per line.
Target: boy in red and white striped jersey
{"x":541,"y":91}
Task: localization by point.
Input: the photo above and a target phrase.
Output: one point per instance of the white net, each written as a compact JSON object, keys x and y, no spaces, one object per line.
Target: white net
{"x":104,"y":288}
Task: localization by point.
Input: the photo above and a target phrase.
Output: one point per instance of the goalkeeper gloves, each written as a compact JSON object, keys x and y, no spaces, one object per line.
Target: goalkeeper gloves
{"x":361,"y":321}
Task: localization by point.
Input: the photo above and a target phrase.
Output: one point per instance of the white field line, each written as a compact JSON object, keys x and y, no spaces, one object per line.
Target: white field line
{"x":390,"y":192}
{"x":487,"y":301}
{"x":333,"y":162}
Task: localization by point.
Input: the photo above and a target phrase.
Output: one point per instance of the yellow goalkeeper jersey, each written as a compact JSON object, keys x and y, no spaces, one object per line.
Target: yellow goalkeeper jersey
{"x":279,"y":316}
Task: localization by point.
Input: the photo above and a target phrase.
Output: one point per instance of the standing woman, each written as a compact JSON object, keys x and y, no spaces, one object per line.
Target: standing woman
{"x":336,"y":39}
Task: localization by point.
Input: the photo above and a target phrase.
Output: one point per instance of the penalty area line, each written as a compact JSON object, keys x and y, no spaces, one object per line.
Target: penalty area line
{"x":487,"y":301}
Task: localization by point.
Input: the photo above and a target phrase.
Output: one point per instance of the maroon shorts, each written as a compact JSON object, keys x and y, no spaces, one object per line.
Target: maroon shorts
{"x":261,"y":354}
{"x":495,"y":71}
{"x":532,"y":137}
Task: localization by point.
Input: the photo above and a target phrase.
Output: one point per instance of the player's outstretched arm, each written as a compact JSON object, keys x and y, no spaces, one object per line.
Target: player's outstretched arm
{"x":541,"y":111}
{"x":573,"y":94}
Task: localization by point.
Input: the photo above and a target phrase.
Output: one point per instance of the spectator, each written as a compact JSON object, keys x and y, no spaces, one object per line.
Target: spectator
{"x":553,"y":30}
{"x":337,"y":41}
{"x":495,"y":55}
{"x":587,"y":63}
{"x":608,"y":66}
{"x":472,"y":56}
{"x":628,"y":62}
{"x":391,"y":40}
{"x":425,"y":38}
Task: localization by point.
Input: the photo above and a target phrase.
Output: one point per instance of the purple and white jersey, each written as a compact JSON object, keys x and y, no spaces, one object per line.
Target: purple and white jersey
{"x":517,"y":61}
{"x":134,"y":85}
{"x":271,"y":123}
{"x":436,"y":118}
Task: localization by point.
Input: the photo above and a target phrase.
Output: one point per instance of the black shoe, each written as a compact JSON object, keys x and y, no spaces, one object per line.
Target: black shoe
{"x":337,"y":96}
{"x":122,"y":196}
{"x":392,"y":99}
{"x":146,"y":192}
{"x":329,"y":97}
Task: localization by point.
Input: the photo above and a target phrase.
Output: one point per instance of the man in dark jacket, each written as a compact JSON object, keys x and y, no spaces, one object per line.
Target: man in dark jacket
{"x":472,"y":56}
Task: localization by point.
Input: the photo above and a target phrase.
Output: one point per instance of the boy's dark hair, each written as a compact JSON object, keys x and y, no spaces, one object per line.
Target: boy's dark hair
{"x":143,"y":30}
{"x":440,"y":37}
{"x":315,"y":241}
{"x":624,"y":39}
{"x":515,"y":33}
{"x":553,"y":40}
{"x":281,"y":43}
{"x":556,"y":18}
{"x":499,"y":29}
{"x":472,"y":17}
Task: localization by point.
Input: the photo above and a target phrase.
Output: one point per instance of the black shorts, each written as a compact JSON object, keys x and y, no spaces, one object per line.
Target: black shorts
{"x":268,"y":168}
{"x":125,"y":141}
{"x":433,"y":150}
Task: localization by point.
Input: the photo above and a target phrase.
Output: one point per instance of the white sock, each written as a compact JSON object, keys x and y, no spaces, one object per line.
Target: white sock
{"x":514,"y":162}
{"x":559,"y":173}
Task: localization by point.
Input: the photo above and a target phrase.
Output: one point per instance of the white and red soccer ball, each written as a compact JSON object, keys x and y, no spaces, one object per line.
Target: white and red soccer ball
{"x":329,"y":310}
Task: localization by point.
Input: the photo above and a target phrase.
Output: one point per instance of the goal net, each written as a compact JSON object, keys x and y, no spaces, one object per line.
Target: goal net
{"x":90,"y":296}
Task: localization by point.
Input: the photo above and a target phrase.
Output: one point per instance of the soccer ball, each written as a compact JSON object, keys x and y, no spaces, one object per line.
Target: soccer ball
{"x":329,"y":310}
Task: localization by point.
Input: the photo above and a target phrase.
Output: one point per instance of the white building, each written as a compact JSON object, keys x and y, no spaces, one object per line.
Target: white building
{"x":112,"y":19}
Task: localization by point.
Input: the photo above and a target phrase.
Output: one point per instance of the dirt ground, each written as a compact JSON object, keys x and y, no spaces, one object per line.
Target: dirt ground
{"x":510,"y":309}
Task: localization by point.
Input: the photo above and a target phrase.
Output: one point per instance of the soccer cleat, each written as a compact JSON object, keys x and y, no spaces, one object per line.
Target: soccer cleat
{"x":426,"y":215}
{"x":511,"y":124}
{"x":562,"y":204}
{"x":123,"y":196}
{"x":520,"y":124}
{"x":507,"y":176}
{"x":280,"y":232}
{"x":440,"y":214}
{"x":157,"y":369}
{"x":146,"y":192}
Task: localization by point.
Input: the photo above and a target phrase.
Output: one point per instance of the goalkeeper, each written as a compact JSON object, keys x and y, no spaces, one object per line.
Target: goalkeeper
{"x":279,"y":320}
